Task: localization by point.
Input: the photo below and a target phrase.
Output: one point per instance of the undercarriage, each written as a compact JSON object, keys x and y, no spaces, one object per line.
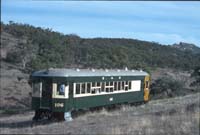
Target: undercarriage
{"x":42,"y":114}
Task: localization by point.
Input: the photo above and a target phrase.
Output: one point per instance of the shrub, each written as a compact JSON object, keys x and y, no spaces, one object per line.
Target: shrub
{"x":196,"y":75}
{"x":166,"y":87}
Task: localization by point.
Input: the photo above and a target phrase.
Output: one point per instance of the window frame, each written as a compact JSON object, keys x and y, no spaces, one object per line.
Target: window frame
{"x":39,"y":94}
{"x":66,"y":91}
{"x":107,"y":85}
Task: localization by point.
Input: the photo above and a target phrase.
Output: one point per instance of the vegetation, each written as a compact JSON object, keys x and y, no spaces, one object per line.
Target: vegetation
{"x":44,"y":48}
{"x":166,"y":87}
{"x":36,"y":48}
{"x":177,"y":116}
{"x":196,"y":75}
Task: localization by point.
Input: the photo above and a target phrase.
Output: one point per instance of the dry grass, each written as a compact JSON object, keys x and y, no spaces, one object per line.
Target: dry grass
{"x":15,"y":91}
{"x":178,"y":116}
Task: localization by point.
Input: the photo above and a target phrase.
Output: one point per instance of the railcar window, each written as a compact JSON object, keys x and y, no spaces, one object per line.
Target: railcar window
{"x":129,"y":85}
{"x":111,"y":89}
{"x":83,"y":88}
{"x":111,"y":83}
{"x":78,"y":88}
{"x":119,"y":85}
{"x":111,"y":86}
{"x":107,"y":89}
{"x":98,"y":84}
{"x":36,"y":88}
{"x":123,"y":85}
{"x":147,"y":84}
{"x":47,"y":88}
{"x":88,"y":87}
{"x":60,"y":89}
{"x":126,"y":88}
{"x":107,"y":86}
{"x":93,"y":91}
{"x":115,"y":86}
{"x":136,"y":85}
{"x":98,"y":90}
{"x":103,"y":87}
{"x":126,"y":85}
{"x":107,"y":83}
{"x":93,"y":84}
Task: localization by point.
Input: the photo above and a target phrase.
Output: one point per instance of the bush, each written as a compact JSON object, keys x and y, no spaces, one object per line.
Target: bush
{"x":166,"y":87}
{"x":13,"y":57}
{"x":196,"y":75}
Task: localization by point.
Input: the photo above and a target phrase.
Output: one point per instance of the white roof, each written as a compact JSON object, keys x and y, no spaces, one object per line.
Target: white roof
{"x":88,"y":72}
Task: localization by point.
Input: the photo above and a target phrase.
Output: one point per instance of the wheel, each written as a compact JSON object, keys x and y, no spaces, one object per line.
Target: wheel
{"x":37,"y":115}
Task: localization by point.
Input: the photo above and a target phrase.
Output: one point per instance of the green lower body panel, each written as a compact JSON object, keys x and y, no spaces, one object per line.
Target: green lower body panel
{"x":65,"y":105}
{"x":41,"y":103}
{"x":61,"y":105}
{"x":35,"y":103}
{"x":54,"y":104}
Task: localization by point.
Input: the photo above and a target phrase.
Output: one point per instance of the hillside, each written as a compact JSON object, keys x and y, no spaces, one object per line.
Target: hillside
{"x":175,"y":81}
{"x":187,"y":47}
{"x":25,"y":48}
{"x":15,"y":90}
{"x":33,"y":48}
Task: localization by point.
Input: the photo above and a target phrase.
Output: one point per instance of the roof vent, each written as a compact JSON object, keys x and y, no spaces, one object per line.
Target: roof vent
{"x":93,"y":70}
{"x":106,"y":70}
{"x":133,"y":70}
{"x":77,"y":69}
{"x":126,"y":69}
{"x":141,"y":70}
{"x":118,"y":70}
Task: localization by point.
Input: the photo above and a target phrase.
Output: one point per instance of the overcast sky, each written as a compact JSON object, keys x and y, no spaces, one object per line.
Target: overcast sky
{"x":165,"y":22}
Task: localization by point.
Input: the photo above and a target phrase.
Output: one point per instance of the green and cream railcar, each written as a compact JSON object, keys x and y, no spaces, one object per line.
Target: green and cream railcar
{"x":60,"y":91}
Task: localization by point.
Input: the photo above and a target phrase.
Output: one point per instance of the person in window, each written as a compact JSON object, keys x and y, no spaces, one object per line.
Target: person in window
{"x":62,"y":89}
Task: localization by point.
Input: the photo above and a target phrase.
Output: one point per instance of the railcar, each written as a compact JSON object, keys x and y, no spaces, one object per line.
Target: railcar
{"x":57,"y":92}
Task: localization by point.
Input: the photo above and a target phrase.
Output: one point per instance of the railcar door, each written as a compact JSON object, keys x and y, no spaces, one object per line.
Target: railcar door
{"x":146,"y":88}
{"x":46,"y":94}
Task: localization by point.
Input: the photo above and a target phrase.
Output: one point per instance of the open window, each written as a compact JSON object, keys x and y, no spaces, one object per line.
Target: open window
{"x":126,"y":85}
{"x":96,"y":88}
{"x":60,"y":90}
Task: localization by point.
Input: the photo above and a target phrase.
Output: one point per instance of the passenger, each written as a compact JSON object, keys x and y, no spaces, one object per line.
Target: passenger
{"x":62,"y":89}
{"x":98,"y":91}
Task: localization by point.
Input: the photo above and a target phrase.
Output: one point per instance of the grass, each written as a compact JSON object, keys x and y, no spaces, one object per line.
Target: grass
{"x":178,"y":116}
{"x":9,"y":111}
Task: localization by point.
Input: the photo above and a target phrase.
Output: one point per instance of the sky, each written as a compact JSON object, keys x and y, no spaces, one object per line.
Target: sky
{"x":165,"y":22}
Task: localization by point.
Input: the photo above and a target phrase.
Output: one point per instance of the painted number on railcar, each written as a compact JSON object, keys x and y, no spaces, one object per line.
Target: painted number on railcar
{"x":59,"y":104}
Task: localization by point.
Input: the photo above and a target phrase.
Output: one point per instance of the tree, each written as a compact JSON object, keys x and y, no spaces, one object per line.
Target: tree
{"x":23,"y":53}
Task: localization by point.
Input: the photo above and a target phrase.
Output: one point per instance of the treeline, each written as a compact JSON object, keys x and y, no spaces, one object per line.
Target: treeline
{"x":45,"y":48}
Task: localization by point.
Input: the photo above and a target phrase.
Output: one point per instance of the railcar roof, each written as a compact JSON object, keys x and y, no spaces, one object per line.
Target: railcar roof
{"x":87,"y":72}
